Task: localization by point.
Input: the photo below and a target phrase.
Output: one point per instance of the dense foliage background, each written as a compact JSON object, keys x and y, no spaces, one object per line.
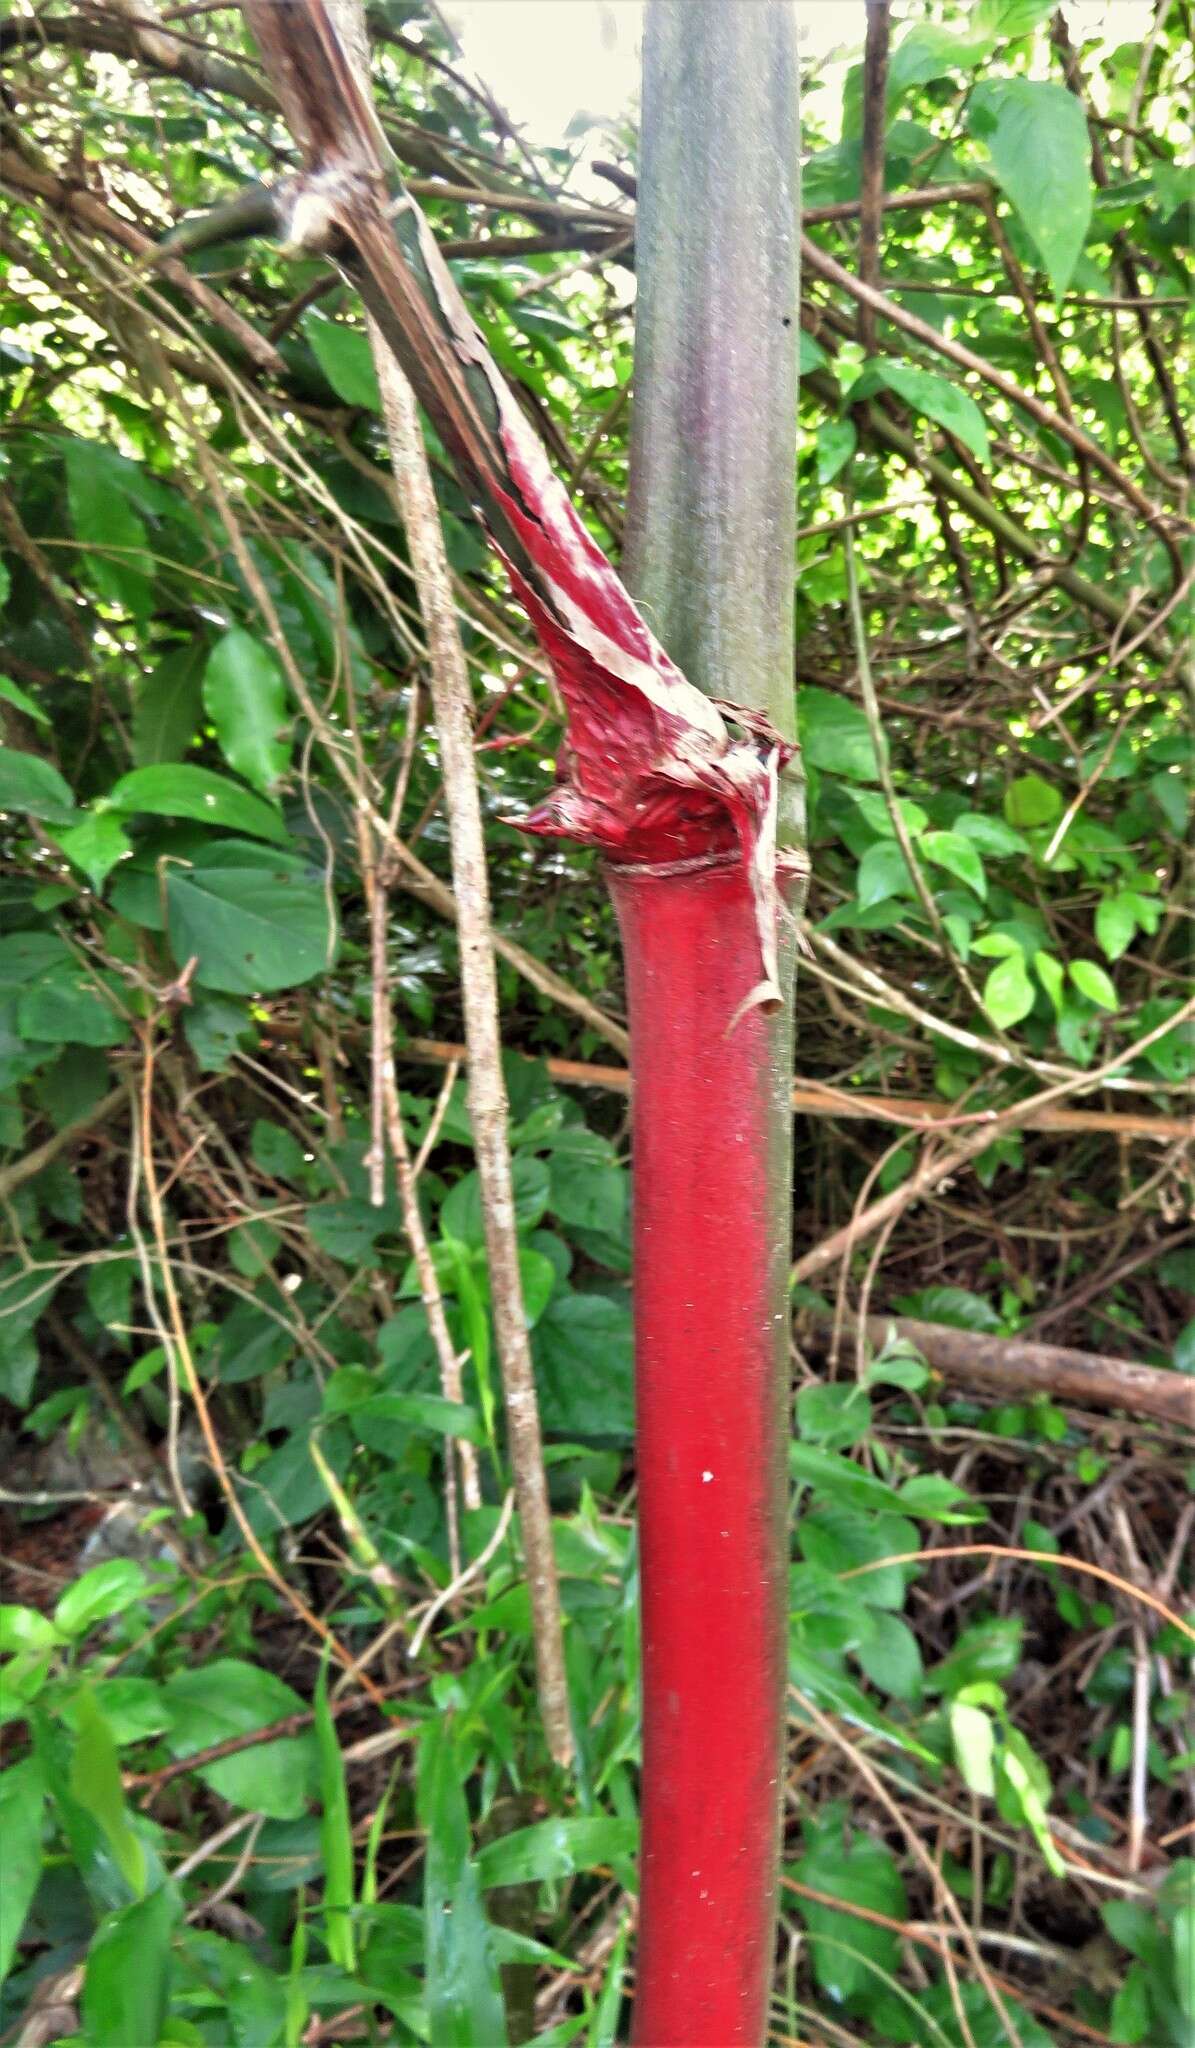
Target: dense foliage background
{"x":263,"y":1786}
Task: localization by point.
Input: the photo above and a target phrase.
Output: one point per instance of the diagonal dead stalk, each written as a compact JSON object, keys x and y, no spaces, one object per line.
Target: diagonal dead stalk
{"x":452,"y":700}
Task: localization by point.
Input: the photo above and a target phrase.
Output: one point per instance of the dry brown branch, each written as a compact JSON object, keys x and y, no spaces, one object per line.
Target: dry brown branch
{"x":1008,"y":1366}
{"x":452,"y":702}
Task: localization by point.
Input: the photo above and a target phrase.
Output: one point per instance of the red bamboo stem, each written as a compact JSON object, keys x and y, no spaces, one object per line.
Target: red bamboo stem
{"x":710,"y":1431}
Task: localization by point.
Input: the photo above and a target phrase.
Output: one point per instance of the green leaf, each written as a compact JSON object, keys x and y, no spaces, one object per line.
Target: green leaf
{"x":95,"y":1784}
{"x":974,"y":1740}
{"x":1025,"y":1775}
{"x":96,"y":845}
{"x":1031,"y":801}
{"x":883,"y":873}
{"x":1092,"y":981}
{"x":1172,"y":800}
{"x":336,"y":1833}
{"x":464,"y":1997}
{"x":276,"y":1151}
{"x":836,"y":443}
{"x":105,"y":521}
{"x":951,"y":851}
{"x":835,"y":735}
{"x":556,"y":1848}
{"x":1037,"y":135}
{"x":1008,"y":992}
{"x":126,"y":1989}
{"x":167,"y":706}
{"x":346,"y":359}
{"x":603,"y":2028}
{"x":1183,"y":1937}
{"x":228,"y":1697}
{"x":838,"y":1479}
{"x":810,"y":354}
{"x":177,"y":789}
{"x":22,"y":1799}
{"x":245,"y":697}
{"x":1130,"y":2017}
{"x":927,"y":51}
{"x":253,"y":927}
{"x":890,"y":1657}
{"x":1009,"y":18}
{"x":69,"y":1007}
{"x":990,"y":835}
{"x":12,"y":693}
{"x":1050,"y":974}
{"x":105,"y":1590}
{"x":847,"y":1951}
{"x":946,"y":404}
{"x":835,"y":1416}
{"x":583,"y":1352}
{"x":27,"y":783}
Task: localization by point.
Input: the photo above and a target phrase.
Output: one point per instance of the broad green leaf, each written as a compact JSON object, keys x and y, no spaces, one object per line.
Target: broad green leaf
{"x":890,"y":1657}
{"x":928,"y":50}
{"x":1037,"y":134}
{"x":75,"y":1006}
{"x":1051,"y":976}
{"x":951,"y":851}
{"x":1130,"y":2016}
{"x":835,"y":735}
{"x":178,"y":789}
{"x":1092,"y":981}
{"x":22,"y":1799}
{"x":990,"y":835}
{"x":883,"y":872}
{"x":835,"y":1415}
{"x":126,"y":1989}
{"x":556,"y":1848}
{"x":229,"y":1697}
{"x":464,"y":1996}
{"x":105,"y":1590}
{"x":1172,"y":800}
{"x":946,"y":404}
{"x":848,"y":1950}
{"x":810,"y":354}
{"x":252,"y":928}
{"x":346,"y":359}
{"x":167,"y":706}
{"x":1115,"y":924}
{"x":836,"y":443}
{"x":1008,"y":18}
{"x":837,"y":1478}
{"x":985,"y":1649}
{"x":245,"y":697}
{"x":21,"y":701}
{"x":336,"y":1833}
{"x":461,"y":1215}
{"x":1008,"y":992}
{"x":96,"y":845}
{"x":582,"y":1348}
{"x":27,"y":783}
{"x":105,"y":521}
{"x":1182,"y":1934}
{"x":276,"y":1150}
{"x":1032,"y":801}
{"x":974,"y":1740}
{"x":95,"y":1784}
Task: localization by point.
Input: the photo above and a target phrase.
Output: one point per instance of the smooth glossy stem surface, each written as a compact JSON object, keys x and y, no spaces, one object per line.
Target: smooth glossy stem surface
{"x":711,"y":557}
{"x":710,"y":1144}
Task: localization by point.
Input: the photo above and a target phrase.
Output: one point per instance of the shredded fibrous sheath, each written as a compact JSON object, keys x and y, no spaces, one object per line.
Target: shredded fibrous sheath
{"x":653,"y":772}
